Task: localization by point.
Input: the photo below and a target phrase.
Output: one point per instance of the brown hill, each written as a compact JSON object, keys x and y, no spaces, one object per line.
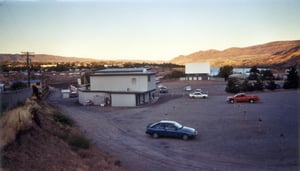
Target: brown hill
{"x":282,"y":53}
{"x":42,"y":58}
{"x":45,"y":58}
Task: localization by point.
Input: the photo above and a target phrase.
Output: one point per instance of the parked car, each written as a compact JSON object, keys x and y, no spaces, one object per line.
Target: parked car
{"x":73,"y":94}
{"x":198,"y":94}
{"x":174,"y":129}
{"x":188,"y":88}
{"x":163,"y":89}
{"x":242,"y":97}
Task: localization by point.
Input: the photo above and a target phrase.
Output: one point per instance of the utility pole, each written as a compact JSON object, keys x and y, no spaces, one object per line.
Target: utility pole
{"x":28,"y":63}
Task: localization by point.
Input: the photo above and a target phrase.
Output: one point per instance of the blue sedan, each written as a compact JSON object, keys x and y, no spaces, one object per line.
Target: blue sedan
{"x":170,"y":129}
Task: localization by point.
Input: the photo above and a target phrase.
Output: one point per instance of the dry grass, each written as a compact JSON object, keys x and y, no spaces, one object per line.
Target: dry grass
{"x":15,"y":120}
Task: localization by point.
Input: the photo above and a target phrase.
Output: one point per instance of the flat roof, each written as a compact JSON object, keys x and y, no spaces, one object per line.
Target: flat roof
{"x":123,"y":71}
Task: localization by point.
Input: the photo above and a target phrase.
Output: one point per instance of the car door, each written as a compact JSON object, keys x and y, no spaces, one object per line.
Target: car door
{"x":159,"y":129}
{"x":239,"y":98}
{"x":171,"y":130}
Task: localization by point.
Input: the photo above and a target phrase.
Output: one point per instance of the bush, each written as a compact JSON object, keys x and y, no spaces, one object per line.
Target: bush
{"x":271,"y":85}
{"x":63,"y":119}
{"x":233,"y":86}
{"x":79,"y":141}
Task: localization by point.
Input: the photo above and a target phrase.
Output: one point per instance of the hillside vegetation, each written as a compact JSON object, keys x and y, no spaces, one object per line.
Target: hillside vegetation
{"x":36,"y":136}
{"x":281,"y":53}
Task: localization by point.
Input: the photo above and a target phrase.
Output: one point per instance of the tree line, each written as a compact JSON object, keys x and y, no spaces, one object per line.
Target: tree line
{"x":258,"y":80}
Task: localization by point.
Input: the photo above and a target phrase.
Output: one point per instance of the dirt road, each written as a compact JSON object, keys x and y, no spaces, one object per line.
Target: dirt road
{"x":260,"y":136}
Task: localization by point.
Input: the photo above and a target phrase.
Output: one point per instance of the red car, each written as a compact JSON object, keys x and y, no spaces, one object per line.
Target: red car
{"x":242,"y":97}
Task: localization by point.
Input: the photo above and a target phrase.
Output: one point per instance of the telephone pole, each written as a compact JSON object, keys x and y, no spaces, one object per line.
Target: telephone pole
{"x":28,"y":63}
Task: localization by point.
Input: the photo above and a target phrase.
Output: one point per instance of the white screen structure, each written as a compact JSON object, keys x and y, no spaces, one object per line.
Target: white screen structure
{"x":197,"y":68}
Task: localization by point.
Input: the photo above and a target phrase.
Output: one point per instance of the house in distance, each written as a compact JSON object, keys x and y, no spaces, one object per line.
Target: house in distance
{"x":121,"y":87}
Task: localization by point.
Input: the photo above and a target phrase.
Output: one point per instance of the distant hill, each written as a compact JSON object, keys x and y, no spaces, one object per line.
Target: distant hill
{"x":280,"y":53}
{"x":42,"y":58}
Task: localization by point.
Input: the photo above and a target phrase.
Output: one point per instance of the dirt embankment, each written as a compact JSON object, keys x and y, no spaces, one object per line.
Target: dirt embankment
{"x":32,"y":138}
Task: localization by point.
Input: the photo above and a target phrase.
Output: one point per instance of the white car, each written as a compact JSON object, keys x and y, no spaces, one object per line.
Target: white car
{"x":188,"y":88}
{"x":198,"y":95}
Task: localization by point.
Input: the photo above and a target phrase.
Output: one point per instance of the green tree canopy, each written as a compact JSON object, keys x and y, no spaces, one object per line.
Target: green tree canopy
{"x":225,"y":71}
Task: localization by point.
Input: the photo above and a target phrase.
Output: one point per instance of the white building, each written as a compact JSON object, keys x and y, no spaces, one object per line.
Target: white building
{"x":197,"y":71}
{"x":120,"y":87}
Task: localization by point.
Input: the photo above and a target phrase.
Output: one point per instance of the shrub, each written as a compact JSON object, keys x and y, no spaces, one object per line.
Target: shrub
{"x":63,"y":119}
{"x":79,"y":141}
{"x":233,"y":86}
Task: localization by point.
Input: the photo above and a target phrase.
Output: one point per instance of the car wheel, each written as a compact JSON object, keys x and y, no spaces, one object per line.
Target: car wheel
{"x":155,"y":135}
{"x":204,"y":97}
{"x":231,"y":101}
{"x":185,"y":137}
{"x":251,"y":101}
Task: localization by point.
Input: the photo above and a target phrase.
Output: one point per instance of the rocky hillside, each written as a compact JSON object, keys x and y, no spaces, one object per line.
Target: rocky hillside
{"x":282,"y":53}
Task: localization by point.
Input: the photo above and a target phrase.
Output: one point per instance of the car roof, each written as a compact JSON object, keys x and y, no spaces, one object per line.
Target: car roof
{"x":167,"y":121}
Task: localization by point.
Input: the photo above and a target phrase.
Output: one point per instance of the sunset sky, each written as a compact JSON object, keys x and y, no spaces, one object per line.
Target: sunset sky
{"x":143,"y":29}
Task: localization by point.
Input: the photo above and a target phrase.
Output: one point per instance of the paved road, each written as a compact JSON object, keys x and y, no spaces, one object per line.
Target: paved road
{"x":260,"y":136}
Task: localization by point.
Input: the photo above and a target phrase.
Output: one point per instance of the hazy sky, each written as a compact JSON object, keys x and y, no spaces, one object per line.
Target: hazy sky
{"x":143,"y":29}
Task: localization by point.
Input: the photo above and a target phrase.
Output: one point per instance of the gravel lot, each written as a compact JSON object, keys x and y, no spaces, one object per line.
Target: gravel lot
{"x":259,"y":136}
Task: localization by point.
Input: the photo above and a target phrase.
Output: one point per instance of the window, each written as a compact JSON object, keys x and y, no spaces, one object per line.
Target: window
{"x":149,"y":78}
{"x":159,"y":126}
{"x":170,"y":127}
{"x":133,"y":80}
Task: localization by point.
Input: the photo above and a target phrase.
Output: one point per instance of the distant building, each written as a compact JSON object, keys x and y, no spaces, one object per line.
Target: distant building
{"x":197,"y":71}
{"x":120,"y":87}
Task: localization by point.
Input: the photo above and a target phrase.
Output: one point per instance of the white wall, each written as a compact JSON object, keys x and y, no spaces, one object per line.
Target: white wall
{"x":122,"y":83}
{"x":197,"y":68}
{"x":96,"y":97}
{"x":122,"y":100}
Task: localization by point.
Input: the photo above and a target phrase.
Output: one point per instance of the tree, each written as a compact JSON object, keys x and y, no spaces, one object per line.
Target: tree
{"x":254,"y":70}
{"x":225,"y":71}
{"x":254,"y":73}
{"x":233,"y":85}
{"x":267,"y":75}
{"x":292,"y":80}
{"x":85,"y":78}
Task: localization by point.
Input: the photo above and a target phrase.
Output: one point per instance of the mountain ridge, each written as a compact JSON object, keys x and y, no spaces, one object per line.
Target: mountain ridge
{"x":282,"y":53}
{"x":277,"y":53}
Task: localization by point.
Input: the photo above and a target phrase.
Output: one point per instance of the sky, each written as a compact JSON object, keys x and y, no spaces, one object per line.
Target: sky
{"x":143,"y":29}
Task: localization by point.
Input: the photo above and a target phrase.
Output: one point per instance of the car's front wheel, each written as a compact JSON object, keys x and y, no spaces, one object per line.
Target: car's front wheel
{"x":231,"y":101}
{"x":251,"y":101}
{"x":155,"y":135}
{"x":185,"y":137}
